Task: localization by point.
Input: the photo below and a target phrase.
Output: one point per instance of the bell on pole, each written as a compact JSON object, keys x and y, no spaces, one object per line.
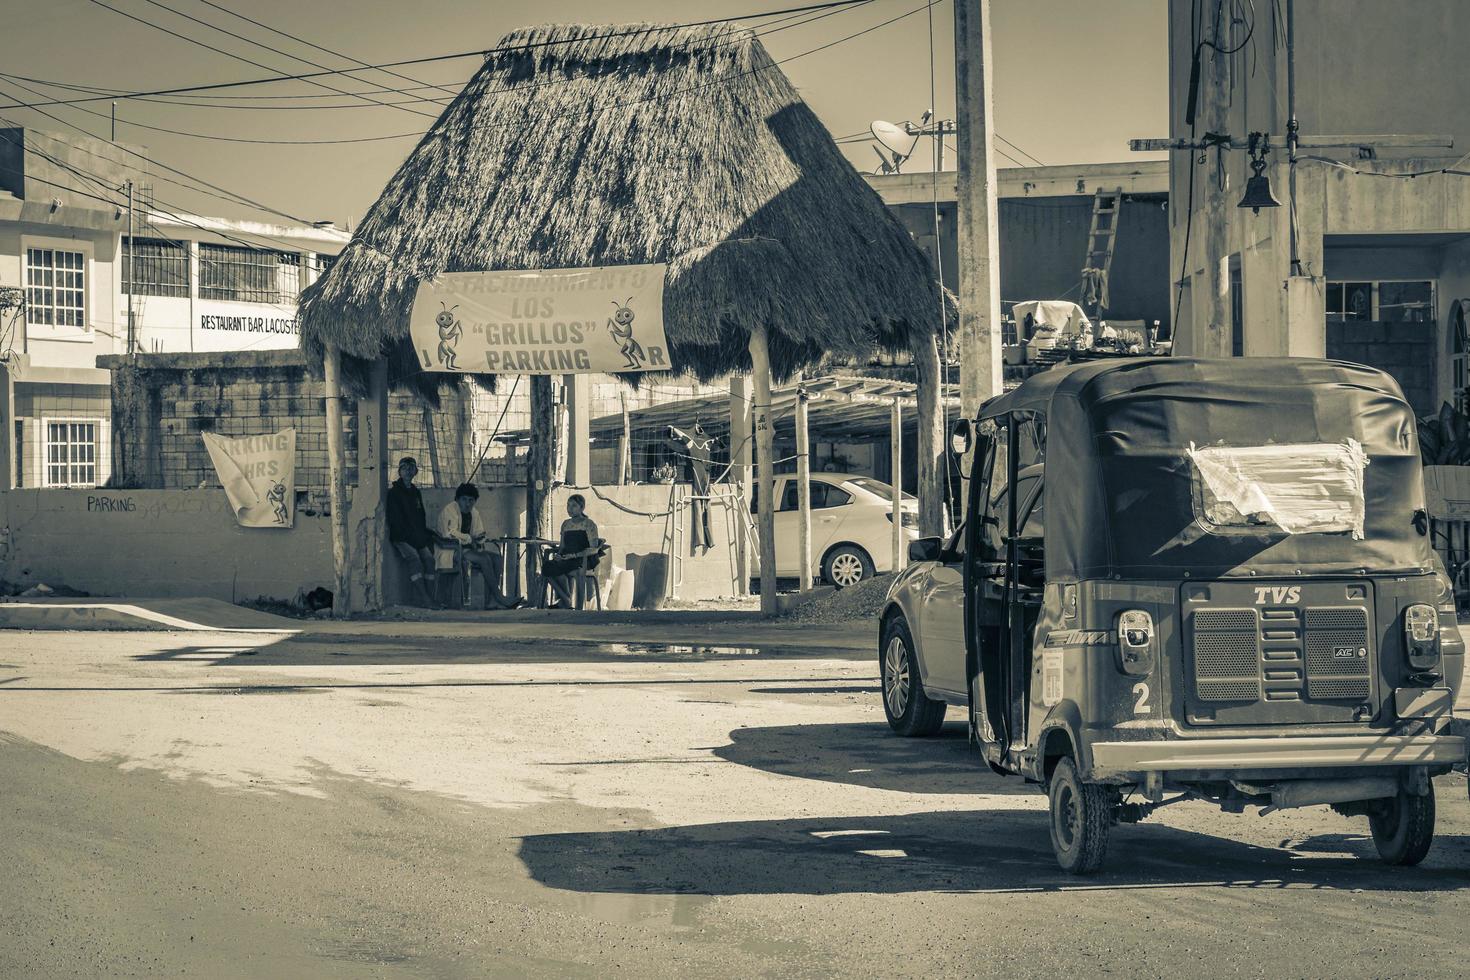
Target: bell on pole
{"x":1258,"y":186}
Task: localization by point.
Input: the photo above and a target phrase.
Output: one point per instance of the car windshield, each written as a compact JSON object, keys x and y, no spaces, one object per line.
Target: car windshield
{"x":878,"y":488}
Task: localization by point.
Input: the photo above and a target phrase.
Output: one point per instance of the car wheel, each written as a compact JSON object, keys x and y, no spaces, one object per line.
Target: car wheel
{"x":1403,"y":828}
{"x":911,"y":712}
{"x":846,"y":565}
{"x":1081,"y":817}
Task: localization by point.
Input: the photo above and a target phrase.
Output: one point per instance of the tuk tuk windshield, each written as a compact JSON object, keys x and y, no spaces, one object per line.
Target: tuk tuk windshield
{"x":1299,"y":489}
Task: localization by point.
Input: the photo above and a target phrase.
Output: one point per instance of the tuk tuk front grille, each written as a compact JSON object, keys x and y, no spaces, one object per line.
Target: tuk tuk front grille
{"x":1227,"y":655}
{"x":1285,"y":660}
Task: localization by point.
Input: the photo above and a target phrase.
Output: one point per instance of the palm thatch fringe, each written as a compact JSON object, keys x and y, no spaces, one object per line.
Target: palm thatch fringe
{"x":679,"y":145}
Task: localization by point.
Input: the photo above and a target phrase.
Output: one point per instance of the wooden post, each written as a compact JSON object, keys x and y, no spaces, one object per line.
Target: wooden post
{"x":895,"y":456}
{"x":931,"y":436}
{"x":540,"y":460}
{"x":337,"y":464}
{"x":578,"y":393}
{"x":803,"y":492}
{"x":765,"y":449}
{"x":740,"y":457}
{"x":979,"y":332}
{"x":625,"y":443}
{"x":8,"y":462}
{"x":365,"y":522}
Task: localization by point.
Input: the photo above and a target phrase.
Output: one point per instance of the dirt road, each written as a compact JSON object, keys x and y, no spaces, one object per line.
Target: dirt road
{"x":235,"y":806}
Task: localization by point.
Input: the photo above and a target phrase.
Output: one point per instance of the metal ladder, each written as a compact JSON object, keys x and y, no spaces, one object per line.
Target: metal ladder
{"x":1102,"y":237}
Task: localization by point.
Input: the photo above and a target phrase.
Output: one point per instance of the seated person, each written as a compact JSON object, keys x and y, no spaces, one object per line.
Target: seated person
{"x":579,"y":540}
{"x":459,"y":522}
{"x":409,"y":534}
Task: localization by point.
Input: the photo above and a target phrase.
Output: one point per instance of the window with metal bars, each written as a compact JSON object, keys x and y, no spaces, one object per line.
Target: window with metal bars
{"x":248,"y":275}
{"x":71,"y":454}
{"x":56,"y":287}
{"x":160,"y":267}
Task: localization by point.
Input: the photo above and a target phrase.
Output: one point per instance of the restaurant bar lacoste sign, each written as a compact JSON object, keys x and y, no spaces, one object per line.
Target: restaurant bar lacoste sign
{"x":606,"y":320}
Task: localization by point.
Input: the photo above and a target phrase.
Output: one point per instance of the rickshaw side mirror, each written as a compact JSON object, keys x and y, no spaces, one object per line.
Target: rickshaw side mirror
{"x":961,"y":437}
{"x":926,"y":549}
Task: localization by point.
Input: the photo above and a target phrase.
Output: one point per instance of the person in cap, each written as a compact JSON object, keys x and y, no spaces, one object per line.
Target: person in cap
{"x":460,"y":522}
{"x":409,"y":534}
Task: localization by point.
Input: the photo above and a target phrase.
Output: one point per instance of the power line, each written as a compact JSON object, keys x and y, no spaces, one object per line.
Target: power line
{"x":511,"y":88}
{"x":232,"y":196}
{"x":230,"y":54}
{"x":325,"y":50}
{"x":432,"y":59}
{"x":1019,"y":150}
{"x":98,"y":181}
{"x":218,"y":103}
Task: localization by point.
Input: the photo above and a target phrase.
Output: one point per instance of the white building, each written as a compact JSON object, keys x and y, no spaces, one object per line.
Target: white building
{"x":202,"y":284}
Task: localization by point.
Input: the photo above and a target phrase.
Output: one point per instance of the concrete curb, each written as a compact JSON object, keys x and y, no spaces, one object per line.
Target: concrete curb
{"x":108,"y":617}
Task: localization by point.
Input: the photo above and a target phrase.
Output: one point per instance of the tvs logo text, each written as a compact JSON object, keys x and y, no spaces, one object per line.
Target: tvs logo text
{"x":1278,"y":594}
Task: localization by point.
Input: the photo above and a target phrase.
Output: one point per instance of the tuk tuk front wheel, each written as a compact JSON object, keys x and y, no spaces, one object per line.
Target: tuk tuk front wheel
{"x":1403,"y":828}
{"x":1081,"y":817}
{"x":911,"y":712}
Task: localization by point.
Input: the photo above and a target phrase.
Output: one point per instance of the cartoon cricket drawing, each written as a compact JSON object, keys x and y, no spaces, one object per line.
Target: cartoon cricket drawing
{"x":277,"y":497}
{"x":449,"y":333}
{"x":620,"y":327}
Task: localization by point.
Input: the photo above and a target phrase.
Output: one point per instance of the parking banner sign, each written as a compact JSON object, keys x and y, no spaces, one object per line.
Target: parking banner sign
{"x":259,"y":476}
{"x":606,"y":320}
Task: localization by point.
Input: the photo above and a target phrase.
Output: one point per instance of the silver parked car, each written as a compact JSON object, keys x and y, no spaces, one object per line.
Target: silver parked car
{"x":924,"y":644}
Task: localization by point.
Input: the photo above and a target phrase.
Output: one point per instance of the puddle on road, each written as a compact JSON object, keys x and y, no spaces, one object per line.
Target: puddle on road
{"x":255,"y":689}
{"x":673,"y":651}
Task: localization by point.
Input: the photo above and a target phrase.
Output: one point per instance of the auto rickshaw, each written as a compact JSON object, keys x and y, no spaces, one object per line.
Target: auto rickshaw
{"x":1217,"y":585}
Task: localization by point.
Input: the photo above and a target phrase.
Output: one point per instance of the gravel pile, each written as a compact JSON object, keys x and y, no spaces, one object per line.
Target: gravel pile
{"x":854,"y":604}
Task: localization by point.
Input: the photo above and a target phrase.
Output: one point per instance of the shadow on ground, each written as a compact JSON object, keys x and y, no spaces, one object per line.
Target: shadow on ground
{"x":340,"y":651}
{"x":946,"y":851}
{"x":869,"y":754}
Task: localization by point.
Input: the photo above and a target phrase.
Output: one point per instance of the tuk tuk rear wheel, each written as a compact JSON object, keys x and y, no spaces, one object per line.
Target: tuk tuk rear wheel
{"x":910,"y":711}
{"x":1081,"y":817}
{"x":1403,"y":828}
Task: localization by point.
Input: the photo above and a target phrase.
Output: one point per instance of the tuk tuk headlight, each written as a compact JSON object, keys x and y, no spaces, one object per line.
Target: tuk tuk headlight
{"x":1136,"y":642}
{"x":1421,"y":635}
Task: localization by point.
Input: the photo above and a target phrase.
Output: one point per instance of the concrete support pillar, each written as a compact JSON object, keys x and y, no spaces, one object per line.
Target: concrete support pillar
{"x":741,"y":436}
{"x":979,"y":240}
{"x":578,"y":394}
{"x":368,"y":535}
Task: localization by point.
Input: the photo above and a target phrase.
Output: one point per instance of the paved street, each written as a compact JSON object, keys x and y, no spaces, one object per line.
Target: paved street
{"x":216,"y":804}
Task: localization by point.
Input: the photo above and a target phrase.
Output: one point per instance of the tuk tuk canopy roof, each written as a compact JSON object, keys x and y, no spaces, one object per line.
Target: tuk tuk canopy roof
{"x":1123,"y":498}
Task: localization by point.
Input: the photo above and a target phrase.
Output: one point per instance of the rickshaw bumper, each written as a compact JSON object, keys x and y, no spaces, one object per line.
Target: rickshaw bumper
{"x":1115,"y":759}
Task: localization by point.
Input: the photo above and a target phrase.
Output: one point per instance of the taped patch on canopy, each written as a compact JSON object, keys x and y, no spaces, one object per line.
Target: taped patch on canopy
{"x":1300,"y":489}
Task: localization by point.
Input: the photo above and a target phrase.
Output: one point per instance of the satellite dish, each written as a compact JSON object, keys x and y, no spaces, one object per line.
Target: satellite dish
{"x":898,"y":140}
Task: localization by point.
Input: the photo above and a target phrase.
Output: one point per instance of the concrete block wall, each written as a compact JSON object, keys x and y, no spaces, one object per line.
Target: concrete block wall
{"x":1406,"y":351}
{"x":153,"y":543}
{"x":161,"y":543}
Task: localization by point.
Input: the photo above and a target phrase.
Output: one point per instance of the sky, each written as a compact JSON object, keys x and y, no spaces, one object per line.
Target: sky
{"x":1074,"y":79}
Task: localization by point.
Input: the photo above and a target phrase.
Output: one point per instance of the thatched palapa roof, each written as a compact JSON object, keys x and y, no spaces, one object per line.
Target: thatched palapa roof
{"x":655,"y":144}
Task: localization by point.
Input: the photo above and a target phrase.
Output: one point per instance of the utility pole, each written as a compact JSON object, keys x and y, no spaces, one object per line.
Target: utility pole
{"x":132,"y":250}
{"x":1215,"y":341}
{"x":979,"y":271}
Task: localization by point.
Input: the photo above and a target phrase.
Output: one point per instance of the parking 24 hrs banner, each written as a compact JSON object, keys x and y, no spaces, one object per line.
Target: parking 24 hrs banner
{"x":606,"y":320}
{"x":258,"y":474}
